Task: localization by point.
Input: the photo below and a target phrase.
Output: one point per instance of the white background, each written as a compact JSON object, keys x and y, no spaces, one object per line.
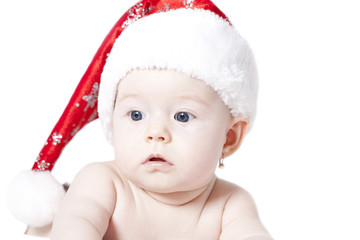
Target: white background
{"x":301,"y":160}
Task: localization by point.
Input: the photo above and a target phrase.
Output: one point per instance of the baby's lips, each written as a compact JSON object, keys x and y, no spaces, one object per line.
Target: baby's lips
{"x":157,"y":158}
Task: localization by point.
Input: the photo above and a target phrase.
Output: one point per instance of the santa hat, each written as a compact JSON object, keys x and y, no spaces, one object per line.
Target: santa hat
{"x":190,"y":36}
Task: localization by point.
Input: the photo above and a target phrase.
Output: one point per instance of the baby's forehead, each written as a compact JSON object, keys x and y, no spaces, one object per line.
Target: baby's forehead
{"x":155,"y":80}
{"x":166,"y":85}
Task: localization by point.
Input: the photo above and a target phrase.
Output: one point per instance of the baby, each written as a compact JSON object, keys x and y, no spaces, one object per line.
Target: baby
{"x":169,"y":131}
{"x":177,"y":95}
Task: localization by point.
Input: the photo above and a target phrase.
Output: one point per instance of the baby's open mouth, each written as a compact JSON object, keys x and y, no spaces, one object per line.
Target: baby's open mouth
{"x":156,"y":159}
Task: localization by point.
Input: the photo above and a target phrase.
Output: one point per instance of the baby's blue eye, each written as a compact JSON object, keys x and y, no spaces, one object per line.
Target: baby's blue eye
{"x":184,"y":117}
{"x":136,"y":115}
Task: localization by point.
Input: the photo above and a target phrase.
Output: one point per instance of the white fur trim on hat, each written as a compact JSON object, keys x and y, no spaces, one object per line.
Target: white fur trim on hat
{"x":196,"y":42}
{"x":34,"y":197}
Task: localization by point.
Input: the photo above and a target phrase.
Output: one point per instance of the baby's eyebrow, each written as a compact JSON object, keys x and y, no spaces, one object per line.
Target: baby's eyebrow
{"x":194,"y":98}
{"x":126,"y":96}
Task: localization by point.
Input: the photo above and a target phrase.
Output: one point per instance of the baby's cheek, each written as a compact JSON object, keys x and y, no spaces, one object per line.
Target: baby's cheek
{"x":125,"y":134}
{"x":207,"y":153}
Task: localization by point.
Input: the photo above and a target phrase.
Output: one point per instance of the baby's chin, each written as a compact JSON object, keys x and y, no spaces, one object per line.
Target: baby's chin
{"x":161,"y":186}
{"x":174,"y":193}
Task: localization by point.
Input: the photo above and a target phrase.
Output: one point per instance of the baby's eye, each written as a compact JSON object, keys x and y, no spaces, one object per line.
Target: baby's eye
{"x":183,"y":117}
{"x":136,"y":115}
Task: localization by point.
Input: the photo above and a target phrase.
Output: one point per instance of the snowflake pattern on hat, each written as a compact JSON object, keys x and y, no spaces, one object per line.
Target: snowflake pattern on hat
{"x":92,"y":98}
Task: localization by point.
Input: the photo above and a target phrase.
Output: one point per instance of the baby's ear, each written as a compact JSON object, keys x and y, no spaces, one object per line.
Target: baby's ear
{"x":235,"y":135}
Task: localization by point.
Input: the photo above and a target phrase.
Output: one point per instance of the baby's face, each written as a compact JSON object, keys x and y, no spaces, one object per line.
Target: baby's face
{"x":168,"y":130}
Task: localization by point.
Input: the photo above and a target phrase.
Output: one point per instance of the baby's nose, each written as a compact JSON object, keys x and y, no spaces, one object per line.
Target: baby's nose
{"x":159,"y":138}
{"x":158,"y":133}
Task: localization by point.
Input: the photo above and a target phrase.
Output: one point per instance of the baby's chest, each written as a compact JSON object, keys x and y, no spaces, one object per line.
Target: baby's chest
{"x":131,"y":222}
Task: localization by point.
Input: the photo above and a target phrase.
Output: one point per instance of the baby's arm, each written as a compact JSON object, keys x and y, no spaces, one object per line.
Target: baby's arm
{"x":87,"y":206}
{"x":241,"y":220}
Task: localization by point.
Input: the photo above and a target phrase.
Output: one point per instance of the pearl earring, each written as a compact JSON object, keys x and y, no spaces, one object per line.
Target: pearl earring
{"x":221,"y":163}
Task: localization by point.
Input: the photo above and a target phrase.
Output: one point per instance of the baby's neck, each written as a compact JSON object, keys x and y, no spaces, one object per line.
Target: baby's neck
{"x":183,"y":197}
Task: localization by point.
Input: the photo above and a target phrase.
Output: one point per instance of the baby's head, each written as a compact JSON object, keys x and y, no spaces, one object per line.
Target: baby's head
{"x":196,"y":42}
{"x":181,"y":86}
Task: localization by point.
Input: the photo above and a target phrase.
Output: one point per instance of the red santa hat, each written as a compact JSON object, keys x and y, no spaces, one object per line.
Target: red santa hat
{"x":190,"y":36}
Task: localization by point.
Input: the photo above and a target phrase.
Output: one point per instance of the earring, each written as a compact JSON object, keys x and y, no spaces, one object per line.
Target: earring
{"x":221,"y":163}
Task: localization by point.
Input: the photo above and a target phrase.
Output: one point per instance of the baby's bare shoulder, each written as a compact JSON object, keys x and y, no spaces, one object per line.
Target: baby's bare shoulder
{"x":97,"y":177}
{"x":240,"y":216}
{"x":239,"y":203}
{"x":89,"y":202}
{"x":99,"y":170}
{"x":93,"y":176}
{"x":229,"y":191}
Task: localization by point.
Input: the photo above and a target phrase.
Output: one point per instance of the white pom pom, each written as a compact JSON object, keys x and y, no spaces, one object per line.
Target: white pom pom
{"x":34,"y":197}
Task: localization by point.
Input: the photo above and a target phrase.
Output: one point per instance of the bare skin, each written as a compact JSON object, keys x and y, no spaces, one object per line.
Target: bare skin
{"x":160,"y":191}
